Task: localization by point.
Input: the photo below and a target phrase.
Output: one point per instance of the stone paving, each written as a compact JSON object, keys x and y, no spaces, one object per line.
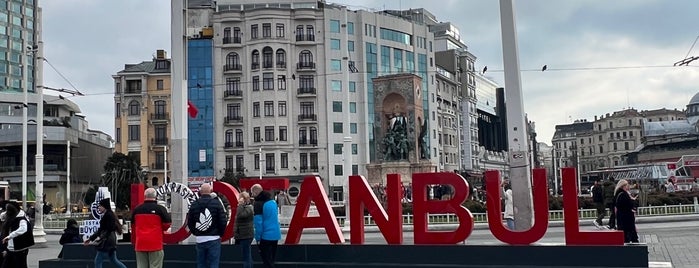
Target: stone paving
{"x":679,"y":246}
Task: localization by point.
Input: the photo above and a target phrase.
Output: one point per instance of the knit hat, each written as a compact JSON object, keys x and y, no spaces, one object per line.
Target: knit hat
{"x":106,"y":203}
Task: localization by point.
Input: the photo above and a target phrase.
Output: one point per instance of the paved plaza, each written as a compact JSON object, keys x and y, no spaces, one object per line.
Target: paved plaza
{"x":674,"y":242}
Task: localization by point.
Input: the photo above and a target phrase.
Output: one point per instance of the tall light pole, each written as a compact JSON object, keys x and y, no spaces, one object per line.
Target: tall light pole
{"x":178,"y":42}
{"x":520,"y":172}
{"x":68,"y":205}
{"x":259,"y":161}
{"x":347,"y":147}
{"x":39,"y":235}
{"x":25,"y":108}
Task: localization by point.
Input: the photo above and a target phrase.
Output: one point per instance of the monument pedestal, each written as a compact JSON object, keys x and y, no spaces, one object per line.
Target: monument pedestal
{"x":377,"y":172}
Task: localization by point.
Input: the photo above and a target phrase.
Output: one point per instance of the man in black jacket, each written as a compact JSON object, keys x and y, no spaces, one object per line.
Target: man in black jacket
{"x":598,"y":199}
{"x":207,"y":221}
{"x":609,"y":187}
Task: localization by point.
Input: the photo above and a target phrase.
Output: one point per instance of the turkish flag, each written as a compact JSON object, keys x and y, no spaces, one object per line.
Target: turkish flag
{"x":192,"y":110}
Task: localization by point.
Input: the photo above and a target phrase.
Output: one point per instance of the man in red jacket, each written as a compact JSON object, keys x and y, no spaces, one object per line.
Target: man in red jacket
{"x":149,"y":220}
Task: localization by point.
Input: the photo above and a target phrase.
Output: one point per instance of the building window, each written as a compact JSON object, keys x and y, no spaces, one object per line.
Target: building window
{"x":302,"y":136}
{"x":280,"y":30}
{"x":306,"y":59}
{"x":352,"y":86}
{"x":335,"y":44}
{"x":255,"y":109}
{"x":337,"y":127}
{"x":310,"y":33}
{"x":350,"y":27}
{"x":353,"y":107}
{"x":303,"y":162}
{"x":257,"y":161}
{"x":160,"y":110}
{"x":306,"y":82}
{"x":227,"y":35}
{"x":307,"y":108}
{"x":269,"y":108}
{"x":299,"y":33}
{"x":626,"y":145}
{"x":134,"y":107}
{"x":256,"y":134}
{"x":269,"y":133}
{"x":255,"y":62}
{"x":233,"y":111}
{"x":281,"y":82}
{"x":282,"y":108}
{"x":334,"y":26}
{"x":282,"y":133}
{"x":256,"y":83}
{"x":118,"y":134}
{"x":236,"y":35}
{"x":350,"y":46}
{"x":269,"y":162}
{"x":232,"y":62}
{"x":253,"y":31}
{"x":336,"y":85}
{"x":117,"y":110}
{"x":267,"y":54}
{"x":337,"y":106}
{"x":337,"y":148}
{"x":353,"y":128}
{"x":239,"y":163}
{"x":314,"y":161}
{"x":336,"y":65}
{"x":159,"y":84}
{"x":239,"y":137}
{"x":281,"y":58}
{"x":266,"y":30}
{"x":134,"y":133}
{"x":314,"y":135}
{"x":338,"y":170}
{"x":284,"y":160}
{"x":355,"y":149}
{"x":355,"y":169}
{"x":268,"y":81}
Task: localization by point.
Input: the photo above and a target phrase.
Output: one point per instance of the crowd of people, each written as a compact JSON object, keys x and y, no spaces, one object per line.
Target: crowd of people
{"x":619,"y":198}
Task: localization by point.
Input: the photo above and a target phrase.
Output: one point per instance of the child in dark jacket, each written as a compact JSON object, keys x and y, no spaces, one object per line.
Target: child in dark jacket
{"x":71,"y":234}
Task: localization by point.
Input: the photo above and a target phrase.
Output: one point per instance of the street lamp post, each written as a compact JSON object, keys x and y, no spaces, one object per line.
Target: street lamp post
{"x":25,"y":107}
{"x":68,"y":206}
{"x":39,"y":235}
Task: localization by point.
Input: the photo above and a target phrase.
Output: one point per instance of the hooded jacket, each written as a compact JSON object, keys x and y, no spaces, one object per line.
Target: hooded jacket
{"x":206,"y":217}
{"x":266,"y":218}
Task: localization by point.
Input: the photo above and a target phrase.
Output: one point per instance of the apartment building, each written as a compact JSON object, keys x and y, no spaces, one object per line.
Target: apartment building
{"x":141,"y":117}
{"x":281,"y":73}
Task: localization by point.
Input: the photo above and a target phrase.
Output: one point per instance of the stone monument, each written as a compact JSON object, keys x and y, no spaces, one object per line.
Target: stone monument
{"x":400,"y":129}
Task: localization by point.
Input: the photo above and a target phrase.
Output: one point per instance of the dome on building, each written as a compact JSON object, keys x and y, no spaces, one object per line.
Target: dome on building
{"x":695,"y":99}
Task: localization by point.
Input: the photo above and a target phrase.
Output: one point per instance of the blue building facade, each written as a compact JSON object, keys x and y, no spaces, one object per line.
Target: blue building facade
{"x":200,"y":153}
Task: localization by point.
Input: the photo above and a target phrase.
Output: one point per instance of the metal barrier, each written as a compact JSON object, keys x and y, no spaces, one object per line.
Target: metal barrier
{"x":55,"y":221}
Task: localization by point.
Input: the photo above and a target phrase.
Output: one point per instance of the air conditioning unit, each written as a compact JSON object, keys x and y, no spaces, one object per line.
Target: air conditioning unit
{"x":196,"y":36}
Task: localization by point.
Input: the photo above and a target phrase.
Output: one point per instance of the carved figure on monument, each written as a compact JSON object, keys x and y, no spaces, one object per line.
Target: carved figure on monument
{"x":422,"y":141}
{"x":396,"y":144}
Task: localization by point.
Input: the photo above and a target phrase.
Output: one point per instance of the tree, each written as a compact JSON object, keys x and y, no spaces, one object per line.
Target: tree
{"x":121,"y":171}
{"x":232,"y":177}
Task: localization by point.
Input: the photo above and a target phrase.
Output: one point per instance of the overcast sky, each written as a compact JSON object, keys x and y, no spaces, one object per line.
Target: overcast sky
{"x":586,"y":45}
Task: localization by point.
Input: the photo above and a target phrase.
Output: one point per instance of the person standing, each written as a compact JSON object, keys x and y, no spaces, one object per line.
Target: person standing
{"x":207,"y":221}
{"x":105,"y":237}
{"x":17,"y":239}
{"x":149,"y":221}
{"x":509,"y":213}
{"x":625,"y":210}
{"x":598,"y":199}
{"x":71,"y":234}
{"x":609,"y":188}
{"x":266,"y":220}
{"x":244,"y":231}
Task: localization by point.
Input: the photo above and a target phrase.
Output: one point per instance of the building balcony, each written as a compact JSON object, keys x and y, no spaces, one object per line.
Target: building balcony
{"x":159,"y":118}
{"x":303,"y":38}
{"x":233,"y":94}
{"x":281,"y":65}
{"x":158,"y":166}
{"x":231,"y":40}
{"x":307,"y":92}
{"x":232,"y":68}
{"x":132,"y":92}
{"x":308,"y":142}
{"x":267,"y":64}
{"x":255,"y":66}
{"x":308,"y":118}
{"x":159,"y":141}
{"x":233,"y":145}
{"x":307,"y":66}
{"x":233,"y":120}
